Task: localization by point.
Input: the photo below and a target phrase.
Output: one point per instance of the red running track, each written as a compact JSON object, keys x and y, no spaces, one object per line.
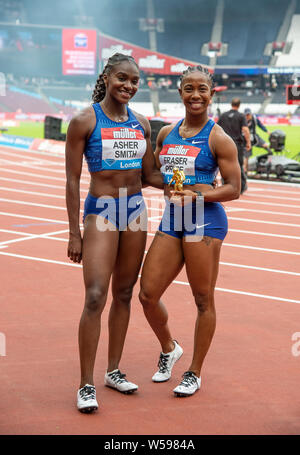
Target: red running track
{"x":251,"y":373}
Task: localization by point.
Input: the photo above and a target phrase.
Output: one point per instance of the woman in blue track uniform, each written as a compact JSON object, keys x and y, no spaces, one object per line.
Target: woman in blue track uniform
{"x":191,"y":233}
{"x":115,"y":142}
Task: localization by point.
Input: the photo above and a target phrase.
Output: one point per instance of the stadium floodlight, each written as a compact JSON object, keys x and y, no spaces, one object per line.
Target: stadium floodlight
{"x":151,"y":24}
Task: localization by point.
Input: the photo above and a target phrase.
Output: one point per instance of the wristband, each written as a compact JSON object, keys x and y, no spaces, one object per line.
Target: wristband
{"x":199,"y":195}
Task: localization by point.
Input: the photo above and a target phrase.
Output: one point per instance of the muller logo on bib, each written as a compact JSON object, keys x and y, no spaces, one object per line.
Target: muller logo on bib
{"x":124,"y":133}
{"x":178,"y":150}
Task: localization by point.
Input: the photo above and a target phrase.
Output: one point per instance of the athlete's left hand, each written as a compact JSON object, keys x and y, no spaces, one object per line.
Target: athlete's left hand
{"x":185,"y":196}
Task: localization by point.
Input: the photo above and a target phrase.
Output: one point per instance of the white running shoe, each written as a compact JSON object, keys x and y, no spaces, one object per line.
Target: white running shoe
{"x":116,"y":380}
{"x":86,"y":399}
{"x":166,"y":363}
{"x":189,"y":385}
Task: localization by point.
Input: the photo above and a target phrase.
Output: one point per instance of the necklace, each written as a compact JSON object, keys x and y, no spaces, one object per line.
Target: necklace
{"x":120,"y":119}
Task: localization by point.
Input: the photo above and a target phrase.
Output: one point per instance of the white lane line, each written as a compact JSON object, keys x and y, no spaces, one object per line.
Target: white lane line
{"x":28,"y":217}
{"x":31,"y":166}
{"x":268,"y":212}
{"x":32,"y":258}
{"x":228,"y":264}
{"x":9,"y":231}
{"x":14,"y":171}
{"x":231,"y":210}
{"x":295,"y":237}
{"x":33,"y":236}
{"x":28,"y":182}
{"x":32,"y":158}
{"x":42,"y":176}
{"x":268,"y":196}
{"x":30,"y":174}
{"x":155,"y":218}
{"x":36,"y":193}
{"x":266,"y":182}
{"x":274,"y":223}
{"x":274,"y":204}
{"x":33,"y":193}
{"x":270,"y":250}
{"x":28,"y":153}
{"x":26,"y":234}
{"x":263,"y":269}
{"x":251,"y":294}
{"x":37,"y":152}
{"x":33,"y":204}
{"x":233,"y":245}
{"x":50,"y":237}
{"x":70,"y":264}
{"x":258,"y":295}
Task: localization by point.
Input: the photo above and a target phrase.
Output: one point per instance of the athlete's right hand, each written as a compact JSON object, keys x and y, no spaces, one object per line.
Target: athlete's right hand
{"x":75,"y":247}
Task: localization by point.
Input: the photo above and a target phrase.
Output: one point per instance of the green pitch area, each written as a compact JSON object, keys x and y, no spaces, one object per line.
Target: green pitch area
{"x":32,"y":129}
{"x":292,"y":143}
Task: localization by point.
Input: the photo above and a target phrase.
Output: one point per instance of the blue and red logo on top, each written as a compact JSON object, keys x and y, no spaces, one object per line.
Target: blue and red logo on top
{"x":81,"y":40}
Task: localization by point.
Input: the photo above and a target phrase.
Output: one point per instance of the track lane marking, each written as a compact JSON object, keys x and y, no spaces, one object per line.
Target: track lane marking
{"x":263,"y":296}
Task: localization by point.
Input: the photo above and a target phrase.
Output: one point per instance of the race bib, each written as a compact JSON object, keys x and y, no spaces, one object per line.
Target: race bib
{"x":122,"y":148}
{"x":180,"y":156}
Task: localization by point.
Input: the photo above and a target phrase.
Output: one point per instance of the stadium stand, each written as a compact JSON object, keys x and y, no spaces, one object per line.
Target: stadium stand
{"x":48,"y":13}
{"x":119,"y":19}
{"x":11,"y":10}
{"x":68,"y":93}
{"x":293,"y":58}
{"x":185,"y":19}
{"x":247,"y":28}
{"x":18,"y":100}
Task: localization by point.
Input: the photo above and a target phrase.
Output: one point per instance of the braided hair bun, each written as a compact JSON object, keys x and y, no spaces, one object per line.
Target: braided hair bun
{"x":202,"y":69}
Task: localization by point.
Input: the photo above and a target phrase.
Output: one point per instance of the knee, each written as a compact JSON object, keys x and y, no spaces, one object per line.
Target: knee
{"x":95,"y":299}
{"x":204,"y":301}
{"x":123,"y":295}
{"x":146,"y":298}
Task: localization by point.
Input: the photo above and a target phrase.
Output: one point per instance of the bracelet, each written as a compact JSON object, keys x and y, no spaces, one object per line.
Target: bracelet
{"x":199,"y":194}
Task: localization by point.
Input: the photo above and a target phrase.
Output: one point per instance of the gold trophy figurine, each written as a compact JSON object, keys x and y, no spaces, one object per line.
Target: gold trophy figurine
{"x":178,"y":177}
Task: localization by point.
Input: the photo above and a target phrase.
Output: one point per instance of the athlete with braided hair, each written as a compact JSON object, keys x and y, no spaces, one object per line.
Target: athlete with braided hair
{"x":116,"y":144}
{"x":194,"y":234}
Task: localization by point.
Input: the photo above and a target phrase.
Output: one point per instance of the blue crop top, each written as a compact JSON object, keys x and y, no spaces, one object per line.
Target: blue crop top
{"x":115,"y":145}
{"x":191,"y":155}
